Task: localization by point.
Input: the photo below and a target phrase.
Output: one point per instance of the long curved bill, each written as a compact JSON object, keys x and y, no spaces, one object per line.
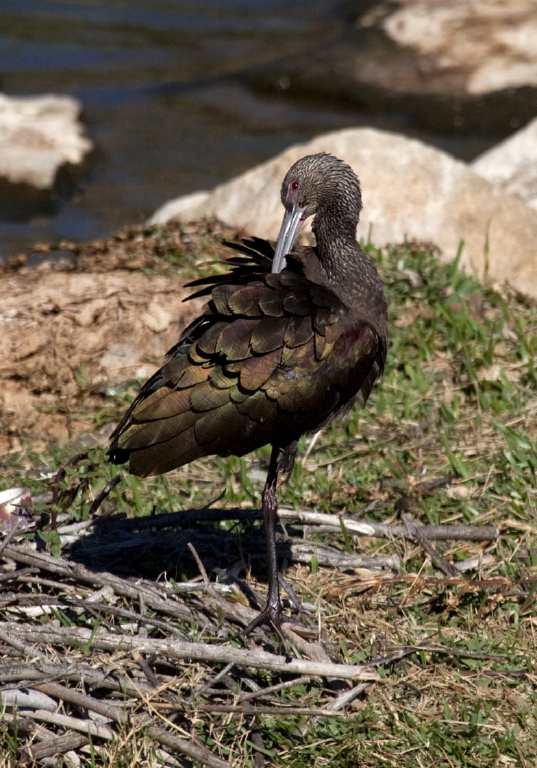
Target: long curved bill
{"x":291,"y":223}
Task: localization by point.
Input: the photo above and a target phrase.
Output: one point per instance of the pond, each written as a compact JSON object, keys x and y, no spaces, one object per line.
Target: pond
{"x":166,"y":98}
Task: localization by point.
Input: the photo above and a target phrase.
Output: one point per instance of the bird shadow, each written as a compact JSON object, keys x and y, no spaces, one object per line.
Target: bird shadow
{"x":158,"y":545}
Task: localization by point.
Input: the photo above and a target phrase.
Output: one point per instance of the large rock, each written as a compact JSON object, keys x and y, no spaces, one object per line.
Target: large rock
{"x":474,"y":47}
{"x":410,"y":190}
{"x":38,"y":136}
{"x":449,"y":67}
{"x":512,"y":164}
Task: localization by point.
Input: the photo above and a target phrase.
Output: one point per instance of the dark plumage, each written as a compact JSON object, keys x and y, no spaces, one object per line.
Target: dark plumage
{"x":289,"y":339}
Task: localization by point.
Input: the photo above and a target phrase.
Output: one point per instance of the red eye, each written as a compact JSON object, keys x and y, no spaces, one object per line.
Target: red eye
{"x":294,"y":186}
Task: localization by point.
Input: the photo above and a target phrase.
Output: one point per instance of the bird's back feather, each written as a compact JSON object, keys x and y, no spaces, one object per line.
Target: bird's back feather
{"x":272,"y":356}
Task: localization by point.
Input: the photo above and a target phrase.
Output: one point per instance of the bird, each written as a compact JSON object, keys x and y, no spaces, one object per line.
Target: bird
{"x":290,"y":337}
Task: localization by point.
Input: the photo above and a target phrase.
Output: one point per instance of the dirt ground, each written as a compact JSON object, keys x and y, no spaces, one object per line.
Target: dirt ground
{"x":77,"y":321}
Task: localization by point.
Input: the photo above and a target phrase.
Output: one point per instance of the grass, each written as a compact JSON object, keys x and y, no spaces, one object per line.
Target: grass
{"x":449,"y":435}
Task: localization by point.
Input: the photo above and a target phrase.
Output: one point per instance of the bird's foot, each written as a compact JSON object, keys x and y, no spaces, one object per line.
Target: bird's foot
{"x":270,"y":615}
{"x":274,"y":617}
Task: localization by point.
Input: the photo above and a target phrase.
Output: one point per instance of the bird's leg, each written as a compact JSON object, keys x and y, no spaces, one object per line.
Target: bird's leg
{"x":269,"y":510}
{"x":272,"y":613}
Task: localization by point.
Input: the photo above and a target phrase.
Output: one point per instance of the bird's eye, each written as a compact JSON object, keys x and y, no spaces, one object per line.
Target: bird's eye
{"x":294,"y":186}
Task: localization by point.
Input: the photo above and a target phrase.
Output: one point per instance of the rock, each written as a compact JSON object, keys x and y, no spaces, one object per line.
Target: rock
{"x":512,"y":164}
{"x":174,"y":207}
{"x":472,"y":47}
{"x":449,"y":67}
{"x":410,"y":190}
{"x":38,"y":136}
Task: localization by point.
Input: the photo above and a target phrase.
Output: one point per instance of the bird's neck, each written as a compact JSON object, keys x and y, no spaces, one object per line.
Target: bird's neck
{"x":350,"y":273}
{"x":337,"y":248}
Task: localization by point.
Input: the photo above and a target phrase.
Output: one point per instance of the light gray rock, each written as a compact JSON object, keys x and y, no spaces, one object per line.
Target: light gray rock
{"x":38,"y":135}
{"x":448,"y":66}
{"x":486,"y":45}
{"x":174,"y":208}
{"x":512,"y":164}
{"x":410,"y":190}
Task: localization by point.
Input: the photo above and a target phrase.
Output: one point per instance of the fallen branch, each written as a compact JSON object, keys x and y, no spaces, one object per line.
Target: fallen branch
{"x":283,"y":709}
{"x":177,"y":744}
{"x":26,"y":603}
{"x":87,"y":727}
{"x":419,"y":536}
{"x":104,"y":708}
{"x":327,"y":556}
{"x":44,"y":671}
{"x":190,"y":517}
{"x":382,"y":530}
{"x":471,"y":563}
{"x":56,"y":745}
{"x":347,"y":697}
{"x":183,"y":651}
{"x":270,"y":689}
{"x":121,"y":717}
{"x":77,"y":572}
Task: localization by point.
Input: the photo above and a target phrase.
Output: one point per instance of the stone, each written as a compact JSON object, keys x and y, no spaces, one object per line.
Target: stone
{"x":173,"y":207}
{"x":476,"y":47}
{"x":512,"y":164}
{"x":447,"y":67}
{"x":410,"y":191}
{"x":38,"y":136}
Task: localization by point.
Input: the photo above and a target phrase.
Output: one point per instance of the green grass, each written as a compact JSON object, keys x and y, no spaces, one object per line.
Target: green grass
{"x":449,"y":434}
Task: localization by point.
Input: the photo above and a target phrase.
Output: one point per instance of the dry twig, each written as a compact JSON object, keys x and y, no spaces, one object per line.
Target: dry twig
{"x":188,"y":517}
{"x":182,"y":651}
{"x":419,"y":536}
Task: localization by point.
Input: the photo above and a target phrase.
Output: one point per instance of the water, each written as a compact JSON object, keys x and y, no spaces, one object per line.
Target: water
{"x":165,"y":97}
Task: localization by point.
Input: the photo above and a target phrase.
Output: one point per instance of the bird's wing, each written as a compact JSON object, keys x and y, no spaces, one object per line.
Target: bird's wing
{"x":274,"y":356}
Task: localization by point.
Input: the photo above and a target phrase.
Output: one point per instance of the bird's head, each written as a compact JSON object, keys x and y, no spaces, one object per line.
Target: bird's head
{"x":316,"y":184}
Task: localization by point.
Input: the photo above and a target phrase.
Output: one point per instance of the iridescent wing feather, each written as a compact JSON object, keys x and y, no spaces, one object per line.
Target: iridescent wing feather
{"x":272,"y":356}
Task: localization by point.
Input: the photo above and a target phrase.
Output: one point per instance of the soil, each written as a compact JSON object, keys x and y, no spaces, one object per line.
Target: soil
{"x":76,"y":322}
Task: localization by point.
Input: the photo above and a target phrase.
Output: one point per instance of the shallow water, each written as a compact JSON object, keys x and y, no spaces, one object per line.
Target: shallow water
{"x":165,"y":97}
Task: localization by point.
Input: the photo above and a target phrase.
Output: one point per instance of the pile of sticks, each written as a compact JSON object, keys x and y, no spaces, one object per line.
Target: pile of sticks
{"x":88,"y":656}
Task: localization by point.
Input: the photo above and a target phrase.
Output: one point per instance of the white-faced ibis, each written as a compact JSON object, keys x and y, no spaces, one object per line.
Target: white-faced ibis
{"x":289,"y":339}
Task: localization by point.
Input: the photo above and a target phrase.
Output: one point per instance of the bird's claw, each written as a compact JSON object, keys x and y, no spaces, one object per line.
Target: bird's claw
{"x":270,"y":615}
{"x":273,"y":617}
